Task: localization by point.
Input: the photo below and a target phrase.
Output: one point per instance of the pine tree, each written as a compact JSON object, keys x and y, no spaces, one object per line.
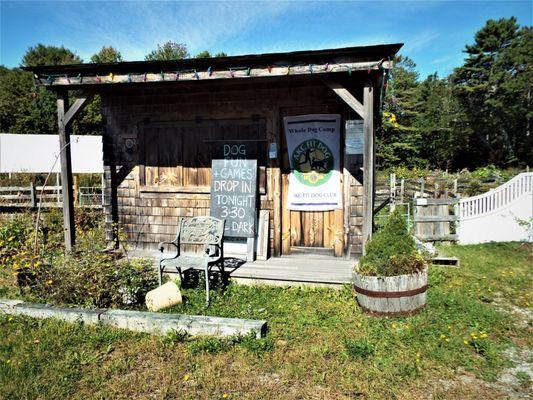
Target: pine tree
{"x":441,"y":123}
{"x":493,"y":86}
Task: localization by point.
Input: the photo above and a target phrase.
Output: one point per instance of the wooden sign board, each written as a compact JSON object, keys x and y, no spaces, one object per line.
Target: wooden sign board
{"x":262,"y":235}
{"x":234,"y":195}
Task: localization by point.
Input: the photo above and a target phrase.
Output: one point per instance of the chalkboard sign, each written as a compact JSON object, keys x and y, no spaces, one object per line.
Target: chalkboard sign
{"x":228,"y":148}
{"x":234,"y":195}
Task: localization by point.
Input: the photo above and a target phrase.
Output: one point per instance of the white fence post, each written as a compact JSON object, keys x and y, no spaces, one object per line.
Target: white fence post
{"x":392,"y":192}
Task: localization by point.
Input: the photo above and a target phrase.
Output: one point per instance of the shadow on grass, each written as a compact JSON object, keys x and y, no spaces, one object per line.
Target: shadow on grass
{"x":218,"y":280}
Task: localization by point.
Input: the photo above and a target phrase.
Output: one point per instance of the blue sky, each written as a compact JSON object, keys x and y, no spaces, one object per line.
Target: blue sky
{"x":434,"y":32}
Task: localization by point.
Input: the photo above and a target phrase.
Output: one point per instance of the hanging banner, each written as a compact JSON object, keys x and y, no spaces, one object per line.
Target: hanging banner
{"x":314,"y":154}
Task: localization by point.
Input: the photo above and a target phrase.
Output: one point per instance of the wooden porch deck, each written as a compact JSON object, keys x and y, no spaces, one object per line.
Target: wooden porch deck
{"x":314,"y":270}
{"x":301,"y":269}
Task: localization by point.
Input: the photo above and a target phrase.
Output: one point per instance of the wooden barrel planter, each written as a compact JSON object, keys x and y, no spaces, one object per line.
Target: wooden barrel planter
{"x":392,"y":295}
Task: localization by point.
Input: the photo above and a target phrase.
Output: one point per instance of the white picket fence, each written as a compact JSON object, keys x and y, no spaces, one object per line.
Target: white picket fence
{"x":501,"y":215}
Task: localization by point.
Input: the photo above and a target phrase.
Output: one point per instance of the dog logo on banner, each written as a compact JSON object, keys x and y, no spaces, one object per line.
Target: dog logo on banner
{"x":313,"y":162}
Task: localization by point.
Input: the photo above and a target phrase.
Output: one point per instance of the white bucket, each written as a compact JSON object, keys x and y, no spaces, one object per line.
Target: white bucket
{"x":164,"y":296}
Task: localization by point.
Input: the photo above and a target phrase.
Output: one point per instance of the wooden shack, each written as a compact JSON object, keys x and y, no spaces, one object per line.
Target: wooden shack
{"x":165,"y":121}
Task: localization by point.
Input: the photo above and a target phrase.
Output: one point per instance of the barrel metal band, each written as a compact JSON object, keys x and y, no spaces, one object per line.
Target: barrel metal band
{"x":405,"y":293}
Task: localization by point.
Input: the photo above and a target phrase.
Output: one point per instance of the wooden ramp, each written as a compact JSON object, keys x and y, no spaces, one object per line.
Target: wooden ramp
{"x":313,"y":270}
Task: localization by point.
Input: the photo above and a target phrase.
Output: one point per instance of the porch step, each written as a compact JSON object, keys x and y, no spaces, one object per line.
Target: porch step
{"x":318,"y":251}
{"x":285,"y":282}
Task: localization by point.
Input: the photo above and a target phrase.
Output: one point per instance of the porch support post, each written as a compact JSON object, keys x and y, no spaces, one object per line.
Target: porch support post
{"x":368,"y":163}
{"x":65,"y":117}
{"x":66,"y":171}
{"x":366,"y":112}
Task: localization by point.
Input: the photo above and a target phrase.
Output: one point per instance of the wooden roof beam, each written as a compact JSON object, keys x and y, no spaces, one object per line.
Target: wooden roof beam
{"x":347,"y":97}
{"x":78,"y":106}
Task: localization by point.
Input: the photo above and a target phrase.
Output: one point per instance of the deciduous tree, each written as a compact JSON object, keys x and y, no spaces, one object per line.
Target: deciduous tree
{"x":398,"y":137}
{"x":49,"y":55}
{"x":168,"y":51}
{"x":107,"y":54}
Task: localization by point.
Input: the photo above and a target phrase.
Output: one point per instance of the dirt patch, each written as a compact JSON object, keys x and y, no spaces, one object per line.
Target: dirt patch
{"x":513,"y":383}
{"x":507,"y":386}
{"x":467,"y":386}
{"x":520,"y":376}
{"x":524,"y":316}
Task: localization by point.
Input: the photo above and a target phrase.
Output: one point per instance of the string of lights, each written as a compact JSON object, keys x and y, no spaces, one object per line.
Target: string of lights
{"x":209,"y":73}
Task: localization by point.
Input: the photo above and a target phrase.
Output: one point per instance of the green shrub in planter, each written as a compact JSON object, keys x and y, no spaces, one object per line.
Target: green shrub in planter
{"x":391,"y":251}
{"x":392,"y":277}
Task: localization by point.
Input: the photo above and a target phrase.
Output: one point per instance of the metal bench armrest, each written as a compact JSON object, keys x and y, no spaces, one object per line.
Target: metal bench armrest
{"x":161,"y":247}
{"x":216,"y":255}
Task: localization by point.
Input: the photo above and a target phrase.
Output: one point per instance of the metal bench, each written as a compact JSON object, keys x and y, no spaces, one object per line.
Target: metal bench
{"x":206,"y":232}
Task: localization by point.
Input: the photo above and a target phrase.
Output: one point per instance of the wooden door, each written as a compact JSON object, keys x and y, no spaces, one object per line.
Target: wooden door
{"x":311,"y":229}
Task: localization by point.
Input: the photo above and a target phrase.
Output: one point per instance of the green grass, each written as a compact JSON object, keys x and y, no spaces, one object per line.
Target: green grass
{"x":319,"y":343}
{"x":495,"y":271}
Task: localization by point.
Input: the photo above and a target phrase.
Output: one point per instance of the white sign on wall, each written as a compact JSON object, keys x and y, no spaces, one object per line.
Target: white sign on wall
{"x":354,"y":139}
{"x":314,"y":154}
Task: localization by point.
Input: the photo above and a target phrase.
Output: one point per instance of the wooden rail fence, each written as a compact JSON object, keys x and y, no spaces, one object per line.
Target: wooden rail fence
{"x":443,"y":211}
{"x":433,"y":219}
{"x":48,"y":196}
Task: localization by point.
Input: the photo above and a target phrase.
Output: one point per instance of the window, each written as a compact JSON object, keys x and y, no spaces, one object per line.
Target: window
{"x":176,"y":156}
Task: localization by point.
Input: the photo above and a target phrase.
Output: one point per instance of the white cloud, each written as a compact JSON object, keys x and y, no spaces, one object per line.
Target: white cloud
{"x":136,"y":27}
{"x":443,"y":59}
{"x":419,"y":41}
